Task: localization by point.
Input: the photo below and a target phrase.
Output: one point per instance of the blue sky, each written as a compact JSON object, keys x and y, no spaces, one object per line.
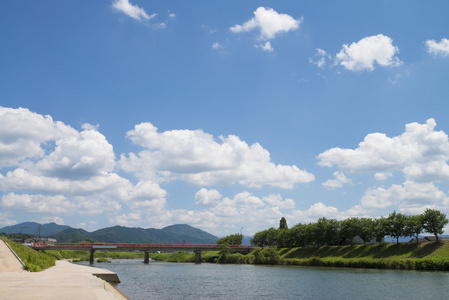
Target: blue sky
{"x":222,"y":114}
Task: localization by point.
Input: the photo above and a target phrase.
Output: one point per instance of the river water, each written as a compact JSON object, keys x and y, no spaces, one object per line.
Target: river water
{"x":161,"y":280}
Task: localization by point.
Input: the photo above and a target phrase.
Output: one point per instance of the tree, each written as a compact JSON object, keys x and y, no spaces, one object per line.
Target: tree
{"x":224,"y":254}
{"x":414,"y":226}
{"x":434,"y":222}
{"x":233,"y":239}
{"x":380,"y":229}
{"x":396,"y":223}
{"x":283,"y":223}
{"x":366,"y":229}
{"x":260,"y":238}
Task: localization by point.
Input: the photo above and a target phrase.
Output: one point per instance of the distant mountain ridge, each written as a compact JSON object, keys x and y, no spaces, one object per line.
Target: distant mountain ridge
{"x":174,"y":234}
{"x":35,"y":228}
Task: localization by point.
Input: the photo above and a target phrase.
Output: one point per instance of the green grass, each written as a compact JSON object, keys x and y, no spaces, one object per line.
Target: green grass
{"x":33,"y":260}
{"x":425,"y":256}
{"x":36,"y":261}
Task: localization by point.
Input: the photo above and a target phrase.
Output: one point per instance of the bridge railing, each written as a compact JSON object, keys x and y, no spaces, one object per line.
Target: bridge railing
{"x":136,"y":246}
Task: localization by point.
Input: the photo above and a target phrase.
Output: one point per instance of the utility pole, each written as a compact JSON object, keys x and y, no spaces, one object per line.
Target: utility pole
{"x":21,"y":233}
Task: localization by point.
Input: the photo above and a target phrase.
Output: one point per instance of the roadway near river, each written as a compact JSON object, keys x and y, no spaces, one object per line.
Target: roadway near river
{"x":63,"y":281}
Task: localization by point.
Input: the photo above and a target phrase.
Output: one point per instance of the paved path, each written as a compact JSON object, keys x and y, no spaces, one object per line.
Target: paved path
{"x":64,"y":281}
{"x":8,"y":262}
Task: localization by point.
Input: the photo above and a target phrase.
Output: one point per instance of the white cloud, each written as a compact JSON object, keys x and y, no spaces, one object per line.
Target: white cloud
{"x":161,"y":26}
{"x":207,"y":197}
{"x":441,"y":48}
{"x":54,"y":169}
{"x":222,"y":215}
{"x":23,"y":135}
{"x":130,"y":10}
{"x":197,"y":158}
{"x":37,"y":203}
{"x":269,"y":22}
{"x":5,"y":220}
{"x":216,"y":46}
{"x":362,"y":55}
{"x":265,"y":47}
{"x":421,"y":153}
{"x":78,"y":155}
{"x":276,"y":200}
{"x":338,"y":182}
{"x":321,"y":58}
{"x":171,"y":15}
{"x":53,"y":219}
{"x":381,"y":176}
{"x":87,"y":126}
{"x":411,"y":197}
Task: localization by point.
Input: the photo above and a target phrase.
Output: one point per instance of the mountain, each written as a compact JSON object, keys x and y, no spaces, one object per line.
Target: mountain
{"x":33,"y":228}
{"x":175,"y":234}
{"x":194,"y":235}
{"x":71,"y":235}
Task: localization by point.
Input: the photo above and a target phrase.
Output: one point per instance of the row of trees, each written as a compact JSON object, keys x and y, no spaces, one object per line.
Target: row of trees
{"x":333,"y":232}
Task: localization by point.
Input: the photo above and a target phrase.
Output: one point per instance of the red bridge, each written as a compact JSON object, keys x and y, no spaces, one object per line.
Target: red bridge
{"x":147,"y":248}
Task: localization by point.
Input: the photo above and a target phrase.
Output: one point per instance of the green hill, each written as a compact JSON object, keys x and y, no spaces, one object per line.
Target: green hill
{"x":175,"y":234}
{"x":34,"y":228}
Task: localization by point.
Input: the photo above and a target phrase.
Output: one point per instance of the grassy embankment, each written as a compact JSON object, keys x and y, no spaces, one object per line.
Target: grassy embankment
{"x":33,"y":260}
{"x":425,"y":256}
{"x":36,"y":261}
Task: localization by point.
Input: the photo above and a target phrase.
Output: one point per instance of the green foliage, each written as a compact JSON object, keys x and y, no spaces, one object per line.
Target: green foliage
{"x":233,"y":239}
{"x":396,"y":224}
{"x":434,"y":222}
{"x":33,"y":260}
{"x":283,"y":223}
{"x":333,"y":232}
{"x":224,"y":254}
{"x":414,"y":226}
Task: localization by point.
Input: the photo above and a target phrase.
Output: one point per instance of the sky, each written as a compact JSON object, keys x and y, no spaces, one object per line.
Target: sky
{"x":224,"y":115}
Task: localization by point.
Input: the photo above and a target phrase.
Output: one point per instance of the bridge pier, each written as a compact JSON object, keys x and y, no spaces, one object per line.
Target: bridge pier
{"x":197,"y":256}
{"x":91,"y":261}
{"x":146,"y":259}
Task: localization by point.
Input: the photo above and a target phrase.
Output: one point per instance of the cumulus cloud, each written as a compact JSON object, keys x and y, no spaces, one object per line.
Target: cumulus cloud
{"x":87,"y":126}
{"x":421,"y":153}
{"x":197,"y":158}
{"x":276,"y":200}
{"x":371,"y":50}
{"x":5,"y":220}
{"x":265,"y":47}
{"x":411,"y":197}
{"x":223,"y":215}
{"x":207,"y":197}
{"x":23,"y":133}
{"x":132,"y":11}
{"x":338,"y":182}
{"x":438,"y":49}
{"x":55,"y":169}
{"x":269,"y":22}
{"x":381,"y":176}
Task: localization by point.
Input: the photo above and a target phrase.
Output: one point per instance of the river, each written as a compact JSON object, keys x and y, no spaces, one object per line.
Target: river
{"x":161,"y":280}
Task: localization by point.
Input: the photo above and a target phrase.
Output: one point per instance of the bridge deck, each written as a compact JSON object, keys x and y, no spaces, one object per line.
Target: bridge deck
{"x":136,"y":246}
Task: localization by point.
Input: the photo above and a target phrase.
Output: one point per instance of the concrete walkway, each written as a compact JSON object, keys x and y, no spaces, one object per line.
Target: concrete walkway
{"x":64,"y":281}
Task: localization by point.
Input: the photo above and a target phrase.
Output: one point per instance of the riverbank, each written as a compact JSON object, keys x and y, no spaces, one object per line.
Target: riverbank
{"x":63,"y":281}
{"x":411,"y":256}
